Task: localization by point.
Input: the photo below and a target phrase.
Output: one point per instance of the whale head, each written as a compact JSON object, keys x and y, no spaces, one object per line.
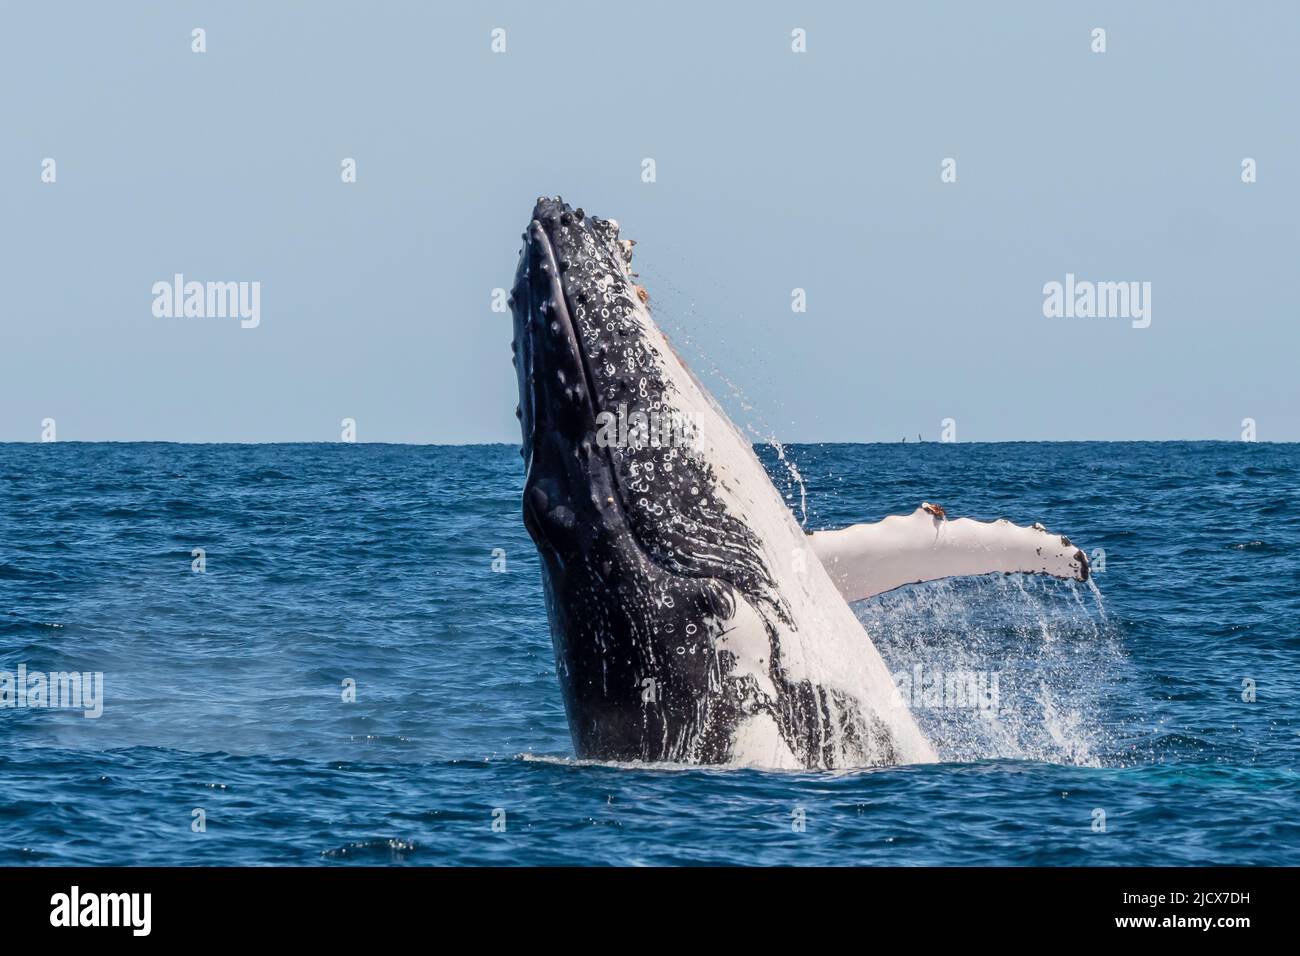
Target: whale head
{"x":691,"y":620}
{"x":642,"y":564}
{"x":570,"y":488}
{"x":612,"y":420}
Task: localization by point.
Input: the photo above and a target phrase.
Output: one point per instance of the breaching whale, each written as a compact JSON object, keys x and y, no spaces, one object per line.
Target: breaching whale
{"x":693,"y":619}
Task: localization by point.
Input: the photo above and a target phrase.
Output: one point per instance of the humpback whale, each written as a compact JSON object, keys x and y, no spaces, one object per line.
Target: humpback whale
{"x":693,"y":618}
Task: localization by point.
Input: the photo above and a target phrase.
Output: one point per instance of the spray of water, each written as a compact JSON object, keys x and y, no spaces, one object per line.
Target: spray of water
{"x":675,"y":313}
{"x":1003,"y":666}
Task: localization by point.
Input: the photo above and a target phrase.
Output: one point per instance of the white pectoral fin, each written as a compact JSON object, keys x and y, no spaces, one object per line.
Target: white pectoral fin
{"x":868,"y":559}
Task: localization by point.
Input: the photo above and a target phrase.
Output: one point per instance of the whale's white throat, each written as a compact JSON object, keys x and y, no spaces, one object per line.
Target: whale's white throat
{"x":820,"y":640}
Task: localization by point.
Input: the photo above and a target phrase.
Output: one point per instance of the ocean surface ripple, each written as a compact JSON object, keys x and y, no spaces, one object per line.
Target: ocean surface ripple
{"x":1120,"y":730}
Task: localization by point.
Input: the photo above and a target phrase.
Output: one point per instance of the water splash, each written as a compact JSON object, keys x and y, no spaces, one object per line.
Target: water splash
{"x":1003,"y":666}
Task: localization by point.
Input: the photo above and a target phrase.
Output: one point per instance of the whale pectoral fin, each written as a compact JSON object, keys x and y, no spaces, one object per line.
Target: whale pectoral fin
{"x":868,"y":559}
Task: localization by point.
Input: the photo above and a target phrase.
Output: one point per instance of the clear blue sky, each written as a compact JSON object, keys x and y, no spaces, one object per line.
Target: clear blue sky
{"x":774,"y":171}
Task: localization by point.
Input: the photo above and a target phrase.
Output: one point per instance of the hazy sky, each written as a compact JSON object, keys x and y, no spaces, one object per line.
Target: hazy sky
{"x":775,"y":170}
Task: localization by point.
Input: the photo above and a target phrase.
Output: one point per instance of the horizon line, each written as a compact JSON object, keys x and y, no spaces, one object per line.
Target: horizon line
{"x":757,"y":444}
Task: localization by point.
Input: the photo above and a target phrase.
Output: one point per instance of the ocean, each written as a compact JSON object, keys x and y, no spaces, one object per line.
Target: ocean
{"x":333,"y":653}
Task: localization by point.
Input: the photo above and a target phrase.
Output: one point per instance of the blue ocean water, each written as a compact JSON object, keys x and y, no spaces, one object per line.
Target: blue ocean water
{"x":223,"y":690}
